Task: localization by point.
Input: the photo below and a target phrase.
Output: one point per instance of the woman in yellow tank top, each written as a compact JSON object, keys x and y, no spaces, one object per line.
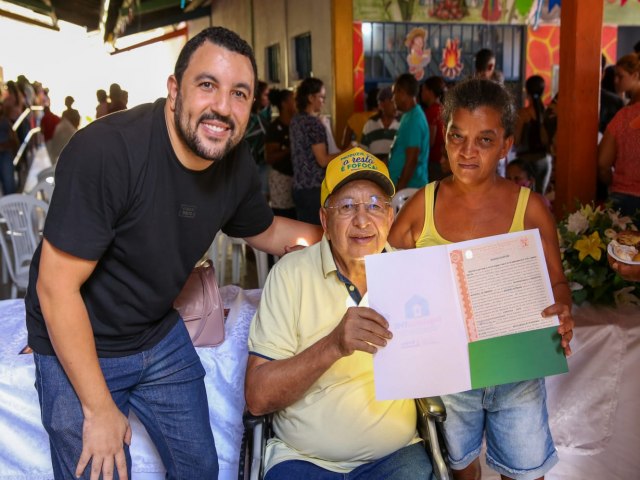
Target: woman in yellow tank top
{"x":475,"y":202}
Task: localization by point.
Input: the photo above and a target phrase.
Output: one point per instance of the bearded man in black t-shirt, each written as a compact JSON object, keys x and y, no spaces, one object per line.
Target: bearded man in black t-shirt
{"x":139,"y":197}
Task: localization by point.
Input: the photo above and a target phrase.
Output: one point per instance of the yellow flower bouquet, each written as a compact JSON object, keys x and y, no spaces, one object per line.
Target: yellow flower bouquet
{"x":584,"y":236}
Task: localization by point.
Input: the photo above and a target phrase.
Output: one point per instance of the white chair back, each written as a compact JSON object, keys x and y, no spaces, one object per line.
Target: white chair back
{"x":48,"y":172}
{"x":238,"y":255}
{"x":43,"y":190}
{"x":401,"y":197}
{"x":21,"y":222}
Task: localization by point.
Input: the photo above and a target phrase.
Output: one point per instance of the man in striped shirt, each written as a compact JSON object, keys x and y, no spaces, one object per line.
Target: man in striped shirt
{"x":381,"y":128}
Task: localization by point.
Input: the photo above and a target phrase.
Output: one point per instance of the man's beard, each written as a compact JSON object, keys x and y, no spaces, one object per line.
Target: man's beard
{"x":196,"y":145}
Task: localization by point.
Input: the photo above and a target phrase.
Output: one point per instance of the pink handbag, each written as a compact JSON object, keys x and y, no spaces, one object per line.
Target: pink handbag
{"x":200,"y":306}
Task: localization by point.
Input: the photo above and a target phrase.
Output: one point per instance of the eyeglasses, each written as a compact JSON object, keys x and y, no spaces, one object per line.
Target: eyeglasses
{"x":347,"y":207}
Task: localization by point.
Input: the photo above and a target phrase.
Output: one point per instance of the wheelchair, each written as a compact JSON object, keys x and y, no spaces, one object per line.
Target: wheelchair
{"x":431,"y":415}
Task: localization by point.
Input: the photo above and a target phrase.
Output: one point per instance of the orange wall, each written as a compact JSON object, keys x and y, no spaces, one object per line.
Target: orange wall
{"x":543,"y":51}
{"x":358,"y":68}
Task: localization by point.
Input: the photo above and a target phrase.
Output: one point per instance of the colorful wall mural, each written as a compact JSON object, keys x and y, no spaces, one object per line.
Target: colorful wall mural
{"x":542,"y":34}
{"x":419,"y":56}
{"x":451,"y":64}
{"x":434,"y":11}
{"x":543,"y":53}
{"x":530,"y":12}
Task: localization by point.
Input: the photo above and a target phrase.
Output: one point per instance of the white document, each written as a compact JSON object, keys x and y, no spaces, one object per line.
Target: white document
{"x":438,"y":299}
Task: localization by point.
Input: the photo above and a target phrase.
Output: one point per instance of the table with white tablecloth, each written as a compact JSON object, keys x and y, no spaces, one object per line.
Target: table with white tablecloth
{"x":24,"y":445}
{"x":594,"y":410}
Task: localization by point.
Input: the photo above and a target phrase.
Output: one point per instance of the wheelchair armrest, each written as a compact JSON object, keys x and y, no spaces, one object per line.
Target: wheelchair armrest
{"x":432,"y":407}
{"x":250,"y":420}
{"x":257,"y":430}
{"x":431,"y":415}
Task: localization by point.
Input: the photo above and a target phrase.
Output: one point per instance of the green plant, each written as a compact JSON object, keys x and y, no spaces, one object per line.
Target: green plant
{"x":584,"y":236}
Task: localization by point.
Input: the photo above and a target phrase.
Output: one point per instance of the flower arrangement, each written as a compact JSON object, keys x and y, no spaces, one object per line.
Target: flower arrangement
{"x":584,"y":236}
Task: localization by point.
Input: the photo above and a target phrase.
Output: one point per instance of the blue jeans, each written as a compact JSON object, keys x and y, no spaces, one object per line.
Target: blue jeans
{"x":164,"y":386}
{"x":7,"y":178}
{"x":408,"y":463}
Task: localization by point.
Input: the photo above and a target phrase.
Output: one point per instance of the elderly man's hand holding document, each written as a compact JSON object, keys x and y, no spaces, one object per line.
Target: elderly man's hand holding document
{"x":464,"y":315}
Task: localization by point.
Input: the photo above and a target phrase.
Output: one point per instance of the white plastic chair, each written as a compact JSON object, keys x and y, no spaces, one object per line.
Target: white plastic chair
{"x":238,"y":252}
{"x":21,"y":220}
{"x":401,"y":197}
{"x":48,"y":172}
{"x":213,"y":254}
{"x":43,"y":190}
{"x":262,"y":266}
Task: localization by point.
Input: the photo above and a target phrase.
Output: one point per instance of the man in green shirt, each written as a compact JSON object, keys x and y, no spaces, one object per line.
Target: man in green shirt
{"x":410,"y":150}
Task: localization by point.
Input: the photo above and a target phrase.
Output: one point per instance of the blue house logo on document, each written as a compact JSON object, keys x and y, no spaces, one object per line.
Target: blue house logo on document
{"x":418,"y":322}
{"x":416,"y":307}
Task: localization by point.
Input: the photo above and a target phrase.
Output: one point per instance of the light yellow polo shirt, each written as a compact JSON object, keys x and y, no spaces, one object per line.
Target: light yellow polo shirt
{"x":338,"y":424}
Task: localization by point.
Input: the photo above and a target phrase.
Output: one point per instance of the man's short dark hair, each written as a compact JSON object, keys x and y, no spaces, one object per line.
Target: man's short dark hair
{"x":371,"y":100}
{"x":525,"y":166}
{"x":483,"y":57}
{"x":221,"y":37}
{"x":475,"y":93}
{"x":408,"y":84}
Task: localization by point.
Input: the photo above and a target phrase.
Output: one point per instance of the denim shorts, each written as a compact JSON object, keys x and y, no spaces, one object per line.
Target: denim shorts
{"x":513,"y":417}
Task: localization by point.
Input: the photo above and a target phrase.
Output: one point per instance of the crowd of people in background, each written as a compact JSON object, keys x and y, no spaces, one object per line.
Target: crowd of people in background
{"x":291,"y":138}
{"x":618,"y":161}
{"x":115,"y":101}
{"x":22,"y":105}
{"x":25,"y":106}
{"x":402,"y":125}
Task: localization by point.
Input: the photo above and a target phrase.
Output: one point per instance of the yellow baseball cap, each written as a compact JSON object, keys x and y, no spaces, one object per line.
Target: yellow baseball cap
{"x":355,"y":164}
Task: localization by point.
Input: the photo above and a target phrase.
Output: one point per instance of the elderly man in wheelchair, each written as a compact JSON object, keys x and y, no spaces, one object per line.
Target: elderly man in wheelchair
{"x":311,"y":344}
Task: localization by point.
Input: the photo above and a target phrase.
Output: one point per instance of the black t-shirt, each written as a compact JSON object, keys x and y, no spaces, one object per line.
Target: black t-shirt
{"x":124,"y":199}
{"x":278,"y":132}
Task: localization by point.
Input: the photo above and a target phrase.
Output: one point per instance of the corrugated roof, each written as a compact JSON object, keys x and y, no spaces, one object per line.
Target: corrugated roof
{"x":124,"y":17}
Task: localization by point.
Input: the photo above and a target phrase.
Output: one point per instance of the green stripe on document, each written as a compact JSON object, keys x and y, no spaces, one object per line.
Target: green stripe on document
{"x":517,"y":357}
